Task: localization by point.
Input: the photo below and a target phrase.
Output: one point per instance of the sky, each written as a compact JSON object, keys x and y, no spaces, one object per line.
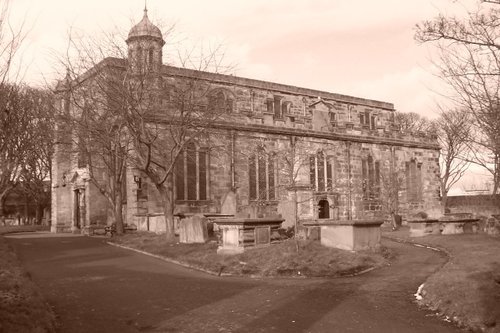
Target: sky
{"x":361,"y":48}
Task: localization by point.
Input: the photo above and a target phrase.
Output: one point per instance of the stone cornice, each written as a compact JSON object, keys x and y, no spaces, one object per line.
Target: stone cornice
{"x":263,"y":129}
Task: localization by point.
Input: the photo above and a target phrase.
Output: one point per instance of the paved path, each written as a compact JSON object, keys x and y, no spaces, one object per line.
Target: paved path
{"x":95,"y":287}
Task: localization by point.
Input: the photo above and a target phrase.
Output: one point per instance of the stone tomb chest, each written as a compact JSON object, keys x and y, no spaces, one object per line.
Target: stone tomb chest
{"x":353,"y":235}
{"x":422,"y":227}
{"x":241,"y":233}
{"x":458,"y":223}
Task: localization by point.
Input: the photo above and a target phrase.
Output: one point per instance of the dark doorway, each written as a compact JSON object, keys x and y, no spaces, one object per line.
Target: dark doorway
{"x":323,"y":209}
{"x":77,"y":209}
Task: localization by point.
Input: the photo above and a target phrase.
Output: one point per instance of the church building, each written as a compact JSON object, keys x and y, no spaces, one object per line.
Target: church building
{"x":300,"y":153}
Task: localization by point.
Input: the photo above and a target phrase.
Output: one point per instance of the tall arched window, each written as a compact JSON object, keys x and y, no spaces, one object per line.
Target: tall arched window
{"x":261,"y":176}
{"x":370,"y":172}
{"x":321,"y":172}
{"x":140,"y":58}
{"x":191,"y":175}
{"x":413,"y":181}
{"x":151,"y":59}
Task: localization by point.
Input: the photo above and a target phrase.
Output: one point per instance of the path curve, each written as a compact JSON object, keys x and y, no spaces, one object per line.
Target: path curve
{"x":95,"y":287}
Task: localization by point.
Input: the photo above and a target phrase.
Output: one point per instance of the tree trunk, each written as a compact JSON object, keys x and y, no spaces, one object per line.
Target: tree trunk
{"x":296,"y":218}
{"x":394,"y":222}
{"x":2,"y":215}
{"x":26,"y":211}
{"x":166,"y":193}
{"x":38,"y":214}
{"x":117,"y":211}
{"x":444,"y":200}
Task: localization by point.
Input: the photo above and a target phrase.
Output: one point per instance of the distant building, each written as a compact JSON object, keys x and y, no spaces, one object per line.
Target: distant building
{"x":350,"y":146}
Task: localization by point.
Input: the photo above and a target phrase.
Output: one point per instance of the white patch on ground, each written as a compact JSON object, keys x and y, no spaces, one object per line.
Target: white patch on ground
{"x":418,"y":294}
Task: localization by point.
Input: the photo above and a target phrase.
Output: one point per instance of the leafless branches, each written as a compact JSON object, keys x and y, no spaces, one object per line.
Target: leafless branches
{"x":469,"y":59}
{"x":454,"y":129}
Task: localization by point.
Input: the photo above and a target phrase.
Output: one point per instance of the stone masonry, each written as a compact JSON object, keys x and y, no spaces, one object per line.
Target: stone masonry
{"x":344,"y":149}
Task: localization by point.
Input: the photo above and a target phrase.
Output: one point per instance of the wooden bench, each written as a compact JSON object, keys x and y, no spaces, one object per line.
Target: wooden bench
{"x":110,"y":230}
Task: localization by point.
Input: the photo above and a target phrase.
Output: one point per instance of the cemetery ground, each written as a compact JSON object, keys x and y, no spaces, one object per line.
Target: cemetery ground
{"x":465,"y":289}
{"x":22,"y":307}
{"x":287,"y":258}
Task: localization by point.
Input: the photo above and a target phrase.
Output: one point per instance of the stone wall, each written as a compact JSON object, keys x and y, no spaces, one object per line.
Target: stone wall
{"x":484,"y":205}
{"x":347,"y":138}
{"x":346,"y":197}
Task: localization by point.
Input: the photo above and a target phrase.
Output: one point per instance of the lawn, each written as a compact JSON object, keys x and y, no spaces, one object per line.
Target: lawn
{"x":467,"y":289}
{"x":282,"y":259}
{"x":22,"y":308}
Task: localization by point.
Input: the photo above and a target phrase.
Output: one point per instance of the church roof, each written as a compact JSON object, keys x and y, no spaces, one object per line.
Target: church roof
{"x":145,"y":29}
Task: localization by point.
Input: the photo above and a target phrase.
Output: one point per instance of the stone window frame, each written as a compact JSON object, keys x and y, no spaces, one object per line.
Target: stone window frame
{"x":413,"y":175}
{"x":322,"y":172}
{"x":223,"y":99}
{"x":368,"y":119}
{"x":275,"y":107}
{"x":192,"y":170}
{"x":370,"y":183}
{"x":262,"y":176}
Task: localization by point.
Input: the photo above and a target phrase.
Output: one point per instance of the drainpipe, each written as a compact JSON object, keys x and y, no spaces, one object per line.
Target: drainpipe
{"x":233,"y":176}
{"x":349,"y":185}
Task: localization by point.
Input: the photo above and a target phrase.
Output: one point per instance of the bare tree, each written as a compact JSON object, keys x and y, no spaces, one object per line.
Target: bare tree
{"x":37,"y":166}
{"x":391,"y":183}
{"x":469,"y":61}
{"x":95,"y":128}
{"x":412,"y":123}
{"x":161,"y":135}
{"x":128,"y":114}
{"x":25,"y":138}
{"x":454,"y":133}
{"x":11,"y":39}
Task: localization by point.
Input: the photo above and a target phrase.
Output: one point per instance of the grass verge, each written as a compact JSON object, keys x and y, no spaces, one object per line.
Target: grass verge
{"x":281,"y":259}
{"x":467,"y":289}
{"x":22,"y":308}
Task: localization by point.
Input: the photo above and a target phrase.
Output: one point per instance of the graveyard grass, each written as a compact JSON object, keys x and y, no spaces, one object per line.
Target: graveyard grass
{"x":282,"y":259}
{"x":22,"y":308}
{"x":467,"y":288}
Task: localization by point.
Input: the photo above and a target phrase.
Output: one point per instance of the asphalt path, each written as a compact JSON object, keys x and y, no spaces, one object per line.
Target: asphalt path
{"x":95,"y":287}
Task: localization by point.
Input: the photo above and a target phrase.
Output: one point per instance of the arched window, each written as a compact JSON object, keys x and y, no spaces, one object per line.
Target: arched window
{"x":191,"y":176}
{"x":261,"y":176}
{"x":413,"y":177}
{"x":370,"y":172}
{"x":139,"y":59}
{"x":218,"y":102}
{"x":323,"y":209}
{"x":321,"y":172}
{"x":151,"y":58}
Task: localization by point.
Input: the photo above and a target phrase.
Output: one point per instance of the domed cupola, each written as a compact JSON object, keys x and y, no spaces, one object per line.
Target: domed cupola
{"x":145,"y":42}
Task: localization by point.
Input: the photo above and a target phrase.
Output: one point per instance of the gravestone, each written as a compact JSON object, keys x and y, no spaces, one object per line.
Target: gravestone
{"x":229,"y":204}
{"x":193,"y":230}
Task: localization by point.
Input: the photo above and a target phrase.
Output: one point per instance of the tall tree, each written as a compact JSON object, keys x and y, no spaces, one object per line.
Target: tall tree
{"x":25,"y":138}
{"x":454,"y":133}
{"x":128,"y":115}
{"x":469,"y":61}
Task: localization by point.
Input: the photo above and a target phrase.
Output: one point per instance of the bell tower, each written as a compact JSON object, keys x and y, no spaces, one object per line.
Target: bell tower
{"x":145,"y":43}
